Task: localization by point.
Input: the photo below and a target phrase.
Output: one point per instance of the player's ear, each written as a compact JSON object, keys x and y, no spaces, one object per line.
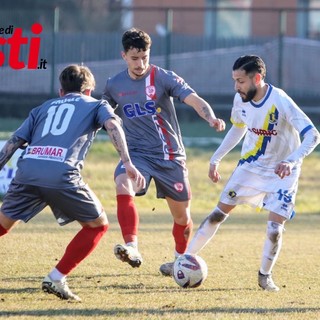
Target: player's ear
{"x":123,"y":55}
{"x":258,"y":78}
{"x":61,"y":92}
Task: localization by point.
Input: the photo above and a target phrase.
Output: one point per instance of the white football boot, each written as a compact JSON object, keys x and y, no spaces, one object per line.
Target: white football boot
{"x":129,"y":254}
{"x":58,"y":288}
{"x":266,"y":283}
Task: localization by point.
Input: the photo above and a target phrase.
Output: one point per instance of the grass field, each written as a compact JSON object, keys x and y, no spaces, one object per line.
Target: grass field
{"x":113,"y":290}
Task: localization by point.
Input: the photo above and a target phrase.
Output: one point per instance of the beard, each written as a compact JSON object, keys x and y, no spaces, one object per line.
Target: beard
{"x":139,"y":72}
{"x":246,"y":97}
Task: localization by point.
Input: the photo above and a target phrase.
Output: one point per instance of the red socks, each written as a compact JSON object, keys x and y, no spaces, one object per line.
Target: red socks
{"x":80,"y":247}
{"x":128,"y":217}
{"x":3,"y":231}
{"x":181,"y":236}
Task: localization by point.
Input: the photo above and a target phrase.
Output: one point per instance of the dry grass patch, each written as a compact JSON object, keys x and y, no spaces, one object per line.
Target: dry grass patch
{"x":113,"y":290}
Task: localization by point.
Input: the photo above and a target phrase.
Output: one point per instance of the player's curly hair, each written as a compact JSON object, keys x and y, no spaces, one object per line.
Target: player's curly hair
{"x":136,"y":38}
{"x":75,"y":78}
{"x":250,"y":64}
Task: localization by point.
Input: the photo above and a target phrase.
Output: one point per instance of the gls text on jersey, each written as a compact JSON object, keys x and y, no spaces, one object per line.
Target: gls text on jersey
{"x":136,"y":110}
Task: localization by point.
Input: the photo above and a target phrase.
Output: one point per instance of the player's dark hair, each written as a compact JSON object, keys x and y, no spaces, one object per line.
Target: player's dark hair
{"x":136,"y":38}
{"x":76,"y":78}
{"x":251,"y":64}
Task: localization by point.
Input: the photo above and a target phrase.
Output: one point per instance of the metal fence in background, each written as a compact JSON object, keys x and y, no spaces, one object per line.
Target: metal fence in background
{"x":204,"y":59}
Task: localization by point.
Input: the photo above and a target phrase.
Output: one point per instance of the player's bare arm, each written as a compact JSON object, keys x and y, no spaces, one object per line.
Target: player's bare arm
{"x":9,"y":149}
{"x":117,"y":137}
{"x":204,"y":110}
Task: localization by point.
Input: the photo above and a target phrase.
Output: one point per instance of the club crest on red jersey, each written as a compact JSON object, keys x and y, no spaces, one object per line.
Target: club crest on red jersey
{"x":151,"y":92}
{"x":178,"y":186}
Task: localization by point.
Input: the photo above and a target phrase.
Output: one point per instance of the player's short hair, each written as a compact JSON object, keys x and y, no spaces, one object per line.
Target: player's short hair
{"x":137,"y":39}
{"x":75,"y":78}
{"x":251,"y":64}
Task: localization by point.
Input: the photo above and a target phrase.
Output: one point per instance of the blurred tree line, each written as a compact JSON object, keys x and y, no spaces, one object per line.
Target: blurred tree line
{"x":75,"y":15}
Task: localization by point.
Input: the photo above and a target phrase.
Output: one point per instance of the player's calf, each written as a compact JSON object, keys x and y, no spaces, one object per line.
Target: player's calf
{"x":206,"y":231}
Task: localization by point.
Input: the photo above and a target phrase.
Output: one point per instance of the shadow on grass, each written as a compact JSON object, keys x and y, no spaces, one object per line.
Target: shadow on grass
{"x":169,"y":310}
{"x":127,"y":288}
{"x":18,"y":291}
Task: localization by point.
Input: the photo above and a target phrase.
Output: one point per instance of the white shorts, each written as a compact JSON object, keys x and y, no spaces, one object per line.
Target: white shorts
{"x":271,"y":193}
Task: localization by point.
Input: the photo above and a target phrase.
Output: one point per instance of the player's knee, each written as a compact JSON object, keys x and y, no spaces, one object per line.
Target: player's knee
{"x":217,"y":216}
{"x":100,"y":222}
{"x":274,"y":231}
{"x":104,"y":222}
{"x":124,"y":185}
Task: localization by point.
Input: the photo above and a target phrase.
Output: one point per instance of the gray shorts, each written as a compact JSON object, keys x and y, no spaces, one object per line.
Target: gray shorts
{"x":170,"y":177}
{"x":23,"y":202}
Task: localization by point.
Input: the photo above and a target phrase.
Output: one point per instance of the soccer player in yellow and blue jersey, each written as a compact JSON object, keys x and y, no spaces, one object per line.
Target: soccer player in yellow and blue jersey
{"x":268,"y":170}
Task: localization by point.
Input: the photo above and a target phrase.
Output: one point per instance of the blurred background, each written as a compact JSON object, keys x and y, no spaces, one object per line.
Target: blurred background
{"x":199,"y":40}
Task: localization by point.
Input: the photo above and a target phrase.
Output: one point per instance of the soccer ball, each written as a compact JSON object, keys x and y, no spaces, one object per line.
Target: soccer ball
{"x":189,"y":271}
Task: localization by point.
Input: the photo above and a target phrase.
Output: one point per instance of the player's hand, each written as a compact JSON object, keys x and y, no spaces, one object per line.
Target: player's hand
{"x":214,"y":175}
{"x":283,"y":169}
{"x":218,"y":124}
{"x":134,"y":174}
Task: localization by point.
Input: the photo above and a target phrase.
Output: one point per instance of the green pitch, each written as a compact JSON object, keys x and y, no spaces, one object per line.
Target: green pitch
{"x":111,"y":289}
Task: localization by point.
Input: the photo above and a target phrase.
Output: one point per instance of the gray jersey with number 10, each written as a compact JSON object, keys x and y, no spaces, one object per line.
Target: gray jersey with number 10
{"x":59,"y":134}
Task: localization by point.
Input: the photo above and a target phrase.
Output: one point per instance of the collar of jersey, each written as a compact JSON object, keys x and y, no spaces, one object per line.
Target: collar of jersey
{"x":73,"y":94}
{"x":264,"y":99}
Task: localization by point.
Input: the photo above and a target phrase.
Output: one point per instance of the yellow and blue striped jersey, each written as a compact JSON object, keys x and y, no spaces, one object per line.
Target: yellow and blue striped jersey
{"x":274,"y":126}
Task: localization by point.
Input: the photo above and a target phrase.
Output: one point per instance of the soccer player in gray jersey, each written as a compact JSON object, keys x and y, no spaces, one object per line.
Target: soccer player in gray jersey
{"x":58,"y":135}
{"x":143,"y":95}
